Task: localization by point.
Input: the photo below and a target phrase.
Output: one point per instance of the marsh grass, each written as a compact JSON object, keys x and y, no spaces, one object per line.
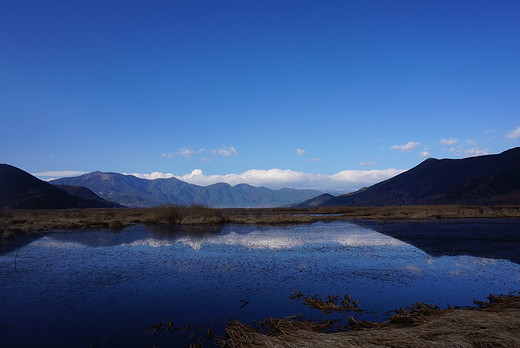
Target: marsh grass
{"x":180,"y":214}
{"x":419,"y":325}
{"x":417,"y":212}
{"x":14,"y":222}
{"x":332,"y":303}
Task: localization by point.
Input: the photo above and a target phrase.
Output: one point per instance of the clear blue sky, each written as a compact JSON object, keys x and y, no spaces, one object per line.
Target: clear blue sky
{"x":309,"y":88}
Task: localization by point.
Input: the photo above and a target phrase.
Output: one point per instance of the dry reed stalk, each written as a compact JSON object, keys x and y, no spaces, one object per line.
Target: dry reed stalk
{"x":497,"y":325}
{"x":346,"y":304}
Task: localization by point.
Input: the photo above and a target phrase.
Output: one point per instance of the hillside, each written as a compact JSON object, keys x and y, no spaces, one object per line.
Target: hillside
{"x":315,"y":201}
{"x":89,"y":198}
{"x":21,"y":190}
{"x":483,"y":180}
{"x":135,"y":192}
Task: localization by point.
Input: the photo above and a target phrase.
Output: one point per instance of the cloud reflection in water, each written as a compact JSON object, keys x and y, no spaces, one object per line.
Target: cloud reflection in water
{"x":287,"y":237}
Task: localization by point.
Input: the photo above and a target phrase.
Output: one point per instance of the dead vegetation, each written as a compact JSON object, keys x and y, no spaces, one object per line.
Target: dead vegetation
{"x":406,"y":212}
{"x":184,"y":215}
{"x":16,"y":222}
{"x":495,"y":325}
{"x":346,"y":304}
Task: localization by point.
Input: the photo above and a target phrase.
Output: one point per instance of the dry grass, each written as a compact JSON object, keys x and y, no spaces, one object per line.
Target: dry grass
{"x":185,"y":215}
{"x":16,"y":222}
{"x":497,"y":325}
{"x":28,"y":221}
{"x":418,"y":212}
{"x":332,"y":303}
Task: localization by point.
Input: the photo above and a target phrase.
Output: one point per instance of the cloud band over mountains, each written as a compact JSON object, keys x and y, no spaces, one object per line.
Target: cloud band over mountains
{"x":346,"y":180}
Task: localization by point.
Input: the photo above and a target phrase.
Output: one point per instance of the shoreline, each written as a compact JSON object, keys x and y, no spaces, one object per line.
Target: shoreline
{"x":492,"y":324}
{"x":18,"y":222}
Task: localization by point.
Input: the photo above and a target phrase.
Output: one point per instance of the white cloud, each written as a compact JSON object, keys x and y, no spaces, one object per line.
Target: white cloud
{"x":449,"y":141}
{"x":186,"y":153}
{"x":346,"y":181}
{"x":409,"y":146}
{"x":152,"y":176}
{"x":59,"y":173}
{"x":301,"y":152}
{"x":513,"y":134}
{"x":462,"y":150}
{"x":370,"y":163}
{"x":226,"y":151}
{"x":475,"y":151}
{"x":424,"y":154}
{"x":183,"y":152}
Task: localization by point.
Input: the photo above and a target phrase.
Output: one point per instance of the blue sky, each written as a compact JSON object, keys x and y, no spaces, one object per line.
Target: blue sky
{"x":326,"y":94}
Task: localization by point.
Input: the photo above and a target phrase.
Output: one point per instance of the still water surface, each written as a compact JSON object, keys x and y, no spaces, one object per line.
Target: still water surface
{"x":104,"y":288}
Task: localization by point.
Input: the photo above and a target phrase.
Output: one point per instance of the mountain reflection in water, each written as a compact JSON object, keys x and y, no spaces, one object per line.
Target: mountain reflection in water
{"x":104,"y":287}
{"x":487,"y":238}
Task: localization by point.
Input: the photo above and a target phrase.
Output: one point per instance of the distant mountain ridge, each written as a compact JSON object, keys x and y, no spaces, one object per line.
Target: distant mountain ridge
{"x":135,"y":192}
{"x":21,"y":190}
{"x":315,"y":201}
{"x":482,"y":180}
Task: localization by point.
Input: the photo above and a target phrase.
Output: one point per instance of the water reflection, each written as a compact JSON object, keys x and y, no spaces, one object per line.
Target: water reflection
{"x":83,"y":286}
{"x":253,"y":237}
{"x":484,"y":238}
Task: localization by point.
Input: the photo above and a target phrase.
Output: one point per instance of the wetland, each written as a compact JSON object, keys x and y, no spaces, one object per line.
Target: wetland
{"x":177,"y":285}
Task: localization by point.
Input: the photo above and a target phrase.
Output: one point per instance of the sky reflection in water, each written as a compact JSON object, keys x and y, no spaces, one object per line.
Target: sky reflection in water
{"x":102,"y":287}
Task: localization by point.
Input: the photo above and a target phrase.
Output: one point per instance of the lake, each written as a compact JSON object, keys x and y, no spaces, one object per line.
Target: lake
{"x":100,"y":288}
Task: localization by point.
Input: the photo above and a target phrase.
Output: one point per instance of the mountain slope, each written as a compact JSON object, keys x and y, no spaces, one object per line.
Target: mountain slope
{"x":315,"y":202}
{"x":132,"y":191}
{"x":490,"y":179}
{"x":21,"y":190}
{"x":90,"y":199}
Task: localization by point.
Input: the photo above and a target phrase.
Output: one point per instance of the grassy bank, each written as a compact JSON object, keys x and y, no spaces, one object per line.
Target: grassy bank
{"x":183,"y":215}
{"x":495,"y":324}
{"x":405,"y":212}
{"x":15,"y":222}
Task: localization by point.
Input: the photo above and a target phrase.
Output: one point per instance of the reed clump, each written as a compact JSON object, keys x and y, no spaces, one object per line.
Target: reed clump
{"x":332,"y":303}
{"x":495,"y":325}
{"x":181,"y":214}
{"x":17,"y":222}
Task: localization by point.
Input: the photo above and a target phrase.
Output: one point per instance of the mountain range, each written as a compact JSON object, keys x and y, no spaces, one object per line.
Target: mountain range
{"x":21,"y":190}
{"x":482,"y":180}
{"x":131,"y":191}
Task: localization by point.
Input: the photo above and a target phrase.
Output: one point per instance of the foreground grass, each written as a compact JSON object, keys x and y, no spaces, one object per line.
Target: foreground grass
{"x":15,"y":222}
{"x":495,"y":324}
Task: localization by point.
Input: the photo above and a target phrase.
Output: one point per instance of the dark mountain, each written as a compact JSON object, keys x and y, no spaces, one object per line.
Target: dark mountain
{"x":132,"y":191}
{"x":490,"y":179}
{"x":21,"y":190}
{"x":314,"y":202}
{"x":89,"y":197}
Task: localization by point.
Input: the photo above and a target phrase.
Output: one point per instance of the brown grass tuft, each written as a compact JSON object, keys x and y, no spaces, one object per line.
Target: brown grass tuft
{"x":425,"y":326}
{"x":346,"y":304}
{"x":180,"y":214}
